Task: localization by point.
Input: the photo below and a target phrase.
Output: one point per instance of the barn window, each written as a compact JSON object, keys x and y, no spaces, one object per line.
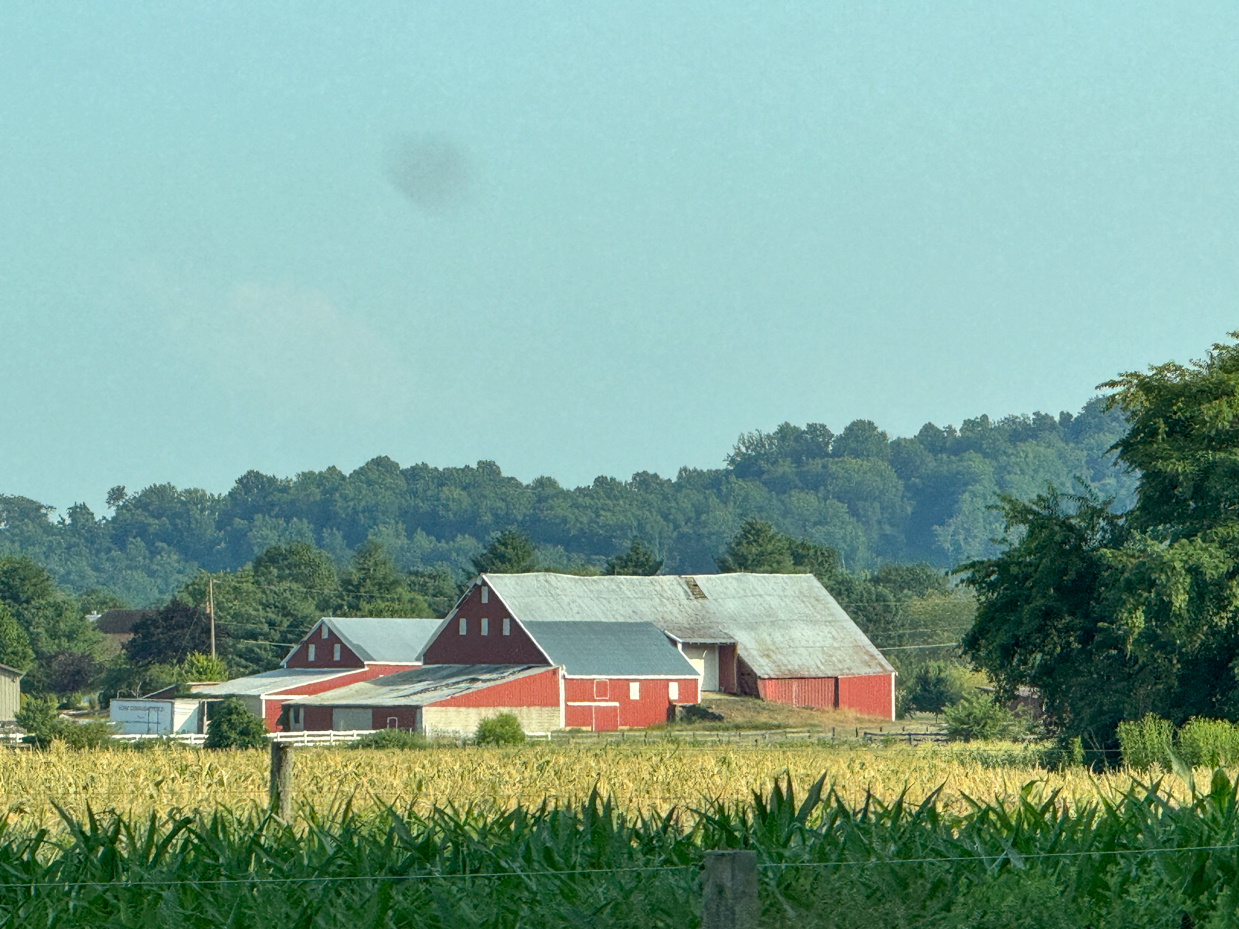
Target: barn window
{"x":296,"y":715}
{"x":335,"y":653}
{"x":310,"y":651}
{"x":673,"y":690}
{"x":634,"y":690}
{"x":393,"y":723}
{"x":485,"y":630}
{"x":507,"y":626}
{"x":485,"y":594}
{"x":601,"y":690}
{"x":464,"y":625}
{"x":326,"y":631}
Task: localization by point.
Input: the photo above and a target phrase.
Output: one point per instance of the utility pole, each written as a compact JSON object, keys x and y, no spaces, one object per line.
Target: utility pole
{"x":211,"y":610}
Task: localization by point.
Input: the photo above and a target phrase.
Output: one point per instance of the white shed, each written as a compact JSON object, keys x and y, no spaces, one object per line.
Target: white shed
{"x":10,"y":693}
{"x":156,"y":717}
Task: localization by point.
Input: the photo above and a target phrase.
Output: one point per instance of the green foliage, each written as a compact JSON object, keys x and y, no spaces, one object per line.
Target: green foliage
{"x":43,"y":725}
{"x":15,"y":650}
{"x":977,"y":718}
{"x":174,"y":632}
{"x":511,"y":552}
{"x":1208,"y":743}
{"x":503,"y":729}
{"x":231,"y":725}
{"x":373,"y":586}
{"x":392,"y":738}
{"x":638,"y":560}
{"x":200,"y":667}
{"x":937,"y":685}
{"x":1019,"y":863}
{"x":1146,"y":742}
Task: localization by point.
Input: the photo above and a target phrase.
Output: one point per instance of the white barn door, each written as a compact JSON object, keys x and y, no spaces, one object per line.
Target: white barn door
{"x":704,"y":659}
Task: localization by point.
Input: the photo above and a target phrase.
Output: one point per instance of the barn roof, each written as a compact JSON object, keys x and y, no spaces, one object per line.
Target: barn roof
{"x":268,"y":682}
{"x":784,"y":625}
{"x":420,"y":686}
{"x":609,"y":649}
{"x":398,"y":640}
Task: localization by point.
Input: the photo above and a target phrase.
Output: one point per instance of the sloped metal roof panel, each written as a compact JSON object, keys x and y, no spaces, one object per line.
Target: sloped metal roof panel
{"x":589,"y":648}
{"x":397,"y":640}
{"x":268,"y":682}
{"x":784,"y":625}
{"x":420,"y":686}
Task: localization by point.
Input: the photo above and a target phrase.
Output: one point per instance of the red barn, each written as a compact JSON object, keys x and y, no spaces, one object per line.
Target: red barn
{"x":337,"y":652}
{"x":781,"y":637}
{"x":550,"y":674}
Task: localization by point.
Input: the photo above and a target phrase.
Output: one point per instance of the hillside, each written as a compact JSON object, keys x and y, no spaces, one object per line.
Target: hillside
{"x":873,"y":498}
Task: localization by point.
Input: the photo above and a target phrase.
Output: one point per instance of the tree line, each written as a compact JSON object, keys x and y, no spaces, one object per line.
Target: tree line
{"x":872,"y":499}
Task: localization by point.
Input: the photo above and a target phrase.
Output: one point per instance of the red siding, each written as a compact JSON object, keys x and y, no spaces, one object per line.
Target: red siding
{"x":406,"y":717}
{"x":323,"y":651}
{"x":819,"y":693}
{"x":271,"y":714}
{"x":871,"y":695}
{"x":727,"y":669}
{"x":579,"y":716}
{"x":541,"y":689}
{"x":450,"y":647}
{"x":651,"y":708}
{"x":316,"y":718}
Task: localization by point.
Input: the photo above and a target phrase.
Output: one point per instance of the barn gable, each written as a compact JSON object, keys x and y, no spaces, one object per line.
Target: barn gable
{"x":362,"y":641}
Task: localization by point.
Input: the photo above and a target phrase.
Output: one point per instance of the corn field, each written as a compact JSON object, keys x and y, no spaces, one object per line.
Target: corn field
{"x":637,"y":778}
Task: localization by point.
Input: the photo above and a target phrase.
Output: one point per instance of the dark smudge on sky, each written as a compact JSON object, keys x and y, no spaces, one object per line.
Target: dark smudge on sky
{"x":432,"y":172}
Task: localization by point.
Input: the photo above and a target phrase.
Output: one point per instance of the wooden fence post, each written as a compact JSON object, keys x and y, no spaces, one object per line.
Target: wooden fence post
{"x":282,"y":780}
{"x":729,"y":891}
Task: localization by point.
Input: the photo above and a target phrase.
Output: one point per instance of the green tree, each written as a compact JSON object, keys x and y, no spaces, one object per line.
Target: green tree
{"x":231,"y":725}
{"x":200,"y":667}
{"x":757,"y":549}
{"x":172,"y":633}
{"x":510,"y":552}
{"x":373,"y":586}
{"x":15,"y":648}
{"x":638,"y":560}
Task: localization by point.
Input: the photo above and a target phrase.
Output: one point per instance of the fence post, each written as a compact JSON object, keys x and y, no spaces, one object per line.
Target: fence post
{"x":282,"y":780}
{"x":729,"y":891}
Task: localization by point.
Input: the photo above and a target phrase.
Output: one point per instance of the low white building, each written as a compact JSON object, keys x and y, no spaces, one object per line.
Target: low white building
{"x":146,"y":716}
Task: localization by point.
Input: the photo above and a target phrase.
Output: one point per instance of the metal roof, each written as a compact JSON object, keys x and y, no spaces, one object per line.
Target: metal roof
{"x":420,"y":686}
{"x":784,"y":625}
{"x":398,"y":640}
{"x":609,"y":649}
{"x":268,"y":682}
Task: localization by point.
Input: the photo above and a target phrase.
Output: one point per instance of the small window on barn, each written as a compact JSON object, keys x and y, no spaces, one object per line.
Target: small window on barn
{"x":310,"y":651}
{"x":464,"y":625}
{"x":486,"y":595}
{"x":601,"y":690}
{"x":485,"y":630}
{"x":335,"y":653}
{"x":634,"y":690}
{"x":393,"y":723}
{"x":507,"y":626}
{"x":673,"y":690}
{"x":326,"y":631}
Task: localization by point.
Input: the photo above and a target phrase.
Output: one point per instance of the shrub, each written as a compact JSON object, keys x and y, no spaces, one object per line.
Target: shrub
{"x":392,"y":738}
{"x":231,"y":725}
{"x":977,"y":717}
{"x":1146,"y":742}
{"x":696,"y":713}
{"x":43,"y":725}
{"x":504,"y":729}
{"x":935,"y":686}
{"x":1208,"y":742}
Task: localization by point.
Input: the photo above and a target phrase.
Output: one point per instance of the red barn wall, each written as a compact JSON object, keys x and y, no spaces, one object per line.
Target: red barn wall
{"x":406,"y":717}
{"x":323,"y":650}
{"x":273,"y":705}
{"x":727,"y":669}
{"x":316,"y":718}
{"x":450,"y":647}
{"x":819,"y":693}
{"x":871,"y":695}
{"x":541,"y":689}
{"x":651,"y":708}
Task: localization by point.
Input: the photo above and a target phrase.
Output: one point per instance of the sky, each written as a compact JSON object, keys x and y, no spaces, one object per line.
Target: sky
{"x":583,"y":239}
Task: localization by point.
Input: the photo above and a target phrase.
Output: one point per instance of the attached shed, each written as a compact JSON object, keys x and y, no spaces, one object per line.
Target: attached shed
{"x":781,"y":637}
{"x":10,"y":693}
{"x":438,"y":700}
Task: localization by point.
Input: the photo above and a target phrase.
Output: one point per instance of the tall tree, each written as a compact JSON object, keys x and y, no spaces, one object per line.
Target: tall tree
{"x":373,"y":586}
{"x":510,"y":552}
{"x":15,"y":651}
{"x":638,"y":560}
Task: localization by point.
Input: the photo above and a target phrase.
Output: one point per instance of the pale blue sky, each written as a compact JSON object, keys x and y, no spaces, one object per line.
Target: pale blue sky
{"x":634,"y":230}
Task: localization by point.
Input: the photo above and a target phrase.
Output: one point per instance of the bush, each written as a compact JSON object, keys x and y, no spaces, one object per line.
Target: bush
{"x":43,"y":725}
{"x":392,"y":738}
{"x":1209,"y":743}
{"x":1146,"y":742}
{"x":935,"y":686}
{"x":504,"y":729}
{"x":231,"y":725}
{"x":977,"y":717}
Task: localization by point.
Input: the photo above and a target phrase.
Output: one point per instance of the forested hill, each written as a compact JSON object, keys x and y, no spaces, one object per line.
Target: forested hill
{"x":872,"y":498}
